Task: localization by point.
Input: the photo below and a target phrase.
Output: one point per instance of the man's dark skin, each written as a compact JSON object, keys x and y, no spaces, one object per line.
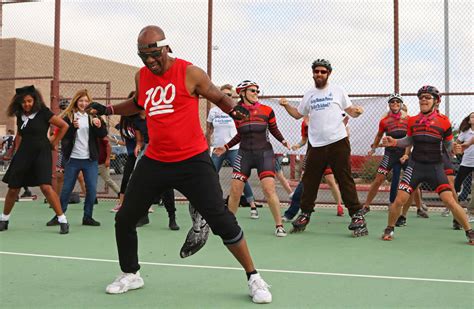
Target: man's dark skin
{"x":198,"y":84}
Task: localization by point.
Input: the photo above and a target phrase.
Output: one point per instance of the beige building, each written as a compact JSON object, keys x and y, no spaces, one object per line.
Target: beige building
{"x":27,"y":63}
{"x":28,"y":60}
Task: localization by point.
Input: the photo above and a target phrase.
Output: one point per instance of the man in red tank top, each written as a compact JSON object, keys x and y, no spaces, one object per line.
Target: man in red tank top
{"x":177,"y":157}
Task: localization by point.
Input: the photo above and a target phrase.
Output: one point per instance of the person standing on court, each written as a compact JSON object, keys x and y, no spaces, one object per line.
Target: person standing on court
{"x":32,"y":162}
{"x":80,"y":149}
{"x":255,"y":152}
{"x":328,"y":144}
{"x":221,"y":129}
{"x":429,"y":132}
{"x":177,"y":157}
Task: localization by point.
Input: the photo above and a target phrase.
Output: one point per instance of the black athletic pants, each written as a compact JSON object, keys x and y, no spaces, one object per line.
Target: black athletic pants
{"x":196,"y":178}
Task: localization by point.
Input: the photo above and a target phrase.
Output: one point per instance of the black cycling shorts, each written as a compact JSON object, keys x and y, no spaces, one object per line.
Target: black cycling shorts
{"x":388,"y":161}
{"x":262,"y":160}
{"x":431,"y":173}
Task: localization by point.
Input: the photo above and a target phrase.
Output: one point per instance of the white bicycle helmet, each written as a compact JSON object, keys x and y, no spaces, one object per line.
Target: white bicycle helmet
{"x":395,"y":96}
{"x":244,"y":85}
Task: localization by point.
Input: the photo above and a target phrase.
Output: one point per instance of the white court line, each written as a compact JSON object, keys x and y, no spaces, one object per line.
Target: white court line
{"x":240,"y":269}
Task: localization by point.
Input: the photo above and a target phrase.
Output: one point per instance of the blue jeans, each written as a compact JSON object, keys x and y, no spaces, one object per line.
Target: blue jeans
{"x":230,"y":156}
{"x":295,"y":202}
{"x":90,"y":170}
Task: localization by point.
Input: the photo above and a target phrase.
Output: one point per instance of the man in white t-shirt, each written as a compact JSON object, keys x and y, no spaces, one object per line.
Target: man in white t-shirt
{"x":325,"y":105}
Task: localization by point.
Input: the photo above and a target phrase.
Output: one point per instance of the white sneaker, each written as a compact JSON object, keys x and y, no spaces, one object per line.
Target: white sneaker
{"x":258,"y":290}
{"x":471,"y":218}
{"x":445,"y":212}
{"x":280,"y":232}
{"x":424,"y":207}
{"x":125,"y":282}
{"x":254,"y":214}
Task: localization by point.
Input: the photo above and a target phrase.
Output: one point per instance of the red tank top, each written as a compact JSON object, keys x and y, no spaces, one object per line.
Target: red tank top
{"x":172,"y":114}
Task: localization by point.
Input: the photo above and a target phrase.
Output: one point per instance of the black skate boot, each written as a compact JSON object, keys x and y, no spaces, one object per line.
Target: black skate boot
{"x":470,"y":237}
{"x":3,"y":226}
{"x":456,"y":225}
{"x":422,"y":213}
{"x":358,"y":226}
{"x":172,"y":223}
{"x":197,"y":235}
{"x":401,"y":221}
{"x":299,"y":225}
{"x":388,"y":233}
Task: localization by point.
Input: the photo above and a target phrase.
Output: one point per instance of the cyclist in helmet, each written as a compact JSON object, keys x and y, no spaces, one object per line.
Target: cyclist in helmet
{"x":255,"y":151}
{"x":328,"y":144}
{"x":394,"y":124}
{"x":221,"y":127}
{"x":427,"y":132}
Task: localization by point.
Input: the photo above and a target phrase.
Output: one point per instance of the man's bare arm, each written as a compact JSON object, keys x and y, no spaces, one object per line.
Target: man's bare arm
{"x":198,"y":83}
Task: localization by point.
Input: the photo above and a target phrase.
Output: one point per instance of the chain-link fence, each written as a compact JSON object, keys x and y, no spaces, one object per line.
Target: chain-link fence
{"x":272,"y":42}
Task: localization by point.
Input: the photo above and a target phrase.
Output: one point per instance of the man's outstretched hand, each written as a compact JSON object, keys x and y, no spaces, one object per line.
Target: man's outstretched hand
{"x":96,"y":108}
{"x":239,"y":113}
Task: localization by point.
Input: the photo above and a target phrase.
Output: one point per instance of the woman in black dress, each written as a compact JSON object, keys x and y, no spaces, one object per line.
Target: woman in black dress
{"x":32,"y":162}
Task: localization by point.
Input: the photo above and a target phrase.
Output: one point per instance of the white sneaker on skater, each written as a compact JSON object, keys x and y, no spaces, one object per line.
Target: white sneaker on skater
{"x":280,"y":231}
{"x":254,"y":213}
{"x":125,"y":282}
{"x":258,"y":290}
{"x":445,"y":212}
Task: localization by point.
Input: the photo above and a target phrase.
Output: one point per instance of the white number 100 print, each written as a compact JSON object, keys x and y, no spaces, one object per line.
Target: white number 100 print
{"x":161,"y":99}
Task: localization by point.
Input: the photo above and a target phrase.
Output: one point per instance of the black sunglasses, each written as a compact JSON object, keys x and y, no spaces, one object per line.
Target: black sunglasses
{"x":154,"y":54}
{"x":254,"y":90}
{"x":320,"y":71}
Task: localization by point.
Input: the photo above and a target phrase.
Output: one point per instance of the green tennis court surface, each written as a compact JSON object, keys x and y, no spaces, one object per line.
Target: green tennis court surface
{"x":428,"y":265}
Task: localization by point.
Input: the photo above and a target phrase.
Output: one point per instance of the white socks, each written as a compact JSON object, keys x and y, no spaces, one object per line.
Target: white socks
{"x":4,"y":217}
{"x":62,"y":218}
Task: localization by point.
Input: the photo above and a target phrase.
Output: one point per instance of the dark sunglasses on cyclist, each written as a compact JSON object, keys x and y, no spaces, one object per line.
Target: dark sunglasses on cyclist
{"x":254,"y":90}
{"x":426,"y":97}
{"x":320,"y":71}
{"x":154,"y":54}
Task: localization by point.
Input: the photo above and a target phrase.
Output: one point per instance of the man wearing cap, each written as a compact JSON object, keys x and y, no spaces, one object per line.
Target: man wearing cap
{"x":177,"y":157}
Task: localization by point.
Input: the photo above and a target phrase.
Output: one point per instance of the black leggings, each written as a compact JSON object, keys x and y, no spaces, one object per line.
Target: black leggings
{"x":127,"y":172}
{"x":196,"y":178}
{"x":462,"y":174}
{"x":168,"y":200}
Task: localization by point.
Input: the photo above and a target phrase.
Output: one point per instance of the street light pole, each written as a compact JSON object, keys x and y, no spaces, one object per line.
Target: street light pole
{"x":446,"y":57}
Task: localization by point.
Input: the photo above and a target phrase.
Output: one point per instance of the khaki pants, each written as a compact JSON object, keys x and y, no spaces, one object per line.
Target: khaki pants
{"x":104,"y":172}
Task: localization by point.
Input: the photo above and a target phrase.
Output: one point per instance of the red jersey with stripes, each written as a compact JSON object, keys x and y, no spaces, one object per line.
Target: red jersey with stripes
{"x":395,"y":126}
{"x":428,"y":133}
{"x":252,"y":133}
{"x":172,"y":114}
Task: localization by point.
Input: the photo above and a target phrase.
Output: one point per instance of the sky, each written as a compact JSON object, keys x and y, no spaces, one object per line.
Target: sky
{"x":274,"y":41}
